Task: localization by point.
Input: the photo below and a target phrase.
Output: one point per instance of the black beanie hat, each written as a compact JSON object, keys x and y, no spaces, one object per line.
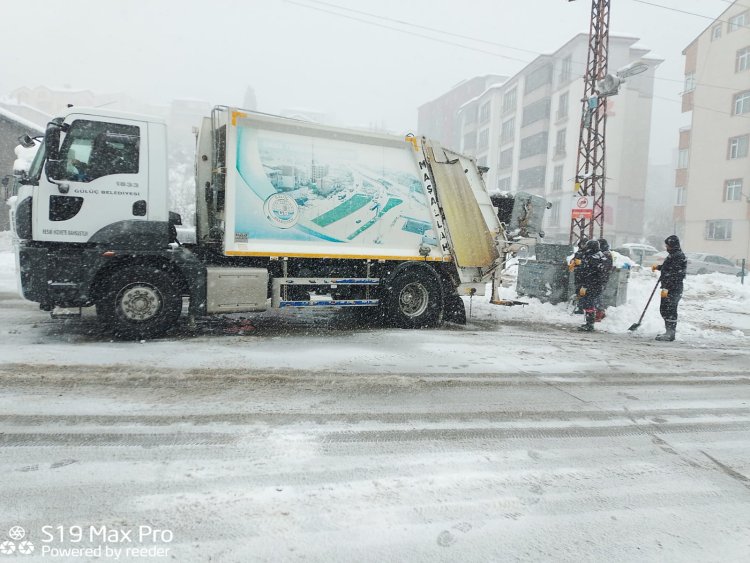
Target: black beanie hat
{"x":603,"y":245}
{"x":672,"y":241}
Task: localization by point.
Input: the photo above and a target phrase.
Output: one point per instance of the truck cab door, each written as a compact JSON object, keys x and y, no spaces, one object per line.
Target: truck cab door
{"x":103,"y":180}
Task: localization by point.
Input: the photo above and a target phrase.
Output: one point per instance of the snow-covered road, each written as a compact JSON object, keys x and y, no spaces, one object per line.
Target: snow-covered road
{"x":245,"y":465}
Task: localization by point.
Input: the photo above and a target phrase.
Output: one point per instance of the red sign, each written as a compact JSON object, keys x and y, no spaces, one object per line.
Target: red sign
{"x":583,"y":208}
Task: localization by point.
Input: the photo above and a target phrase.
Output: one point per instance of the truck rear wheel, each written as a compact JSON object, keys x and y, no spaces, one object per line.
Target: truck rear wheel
{"x":414,"y":300}
{"x":140,"y":302}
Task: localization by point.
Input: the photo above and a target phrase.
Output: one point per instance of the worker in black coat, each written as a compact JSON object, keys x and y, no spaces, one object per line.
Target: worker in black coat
{"x":575,"y":262}
{"x":672,"y":274}
{"x":592,"y":273}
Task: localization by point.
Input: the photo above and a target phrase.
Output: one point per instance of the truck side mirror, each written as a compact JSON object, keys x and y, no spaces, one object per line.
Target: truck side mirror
{"x":26,"y":141}
{"x":52,"y":141}
{"x":53,"y":168}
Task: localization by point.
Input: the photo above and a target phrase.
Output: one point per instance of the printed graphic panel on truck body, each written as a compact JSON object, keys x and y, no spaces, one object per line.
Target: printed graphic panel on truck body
{"x":298,"y":189}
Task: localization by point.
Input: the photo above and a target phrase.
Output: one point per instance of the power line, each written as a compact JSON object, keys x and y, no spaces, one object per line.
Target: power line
{"x":686,"y":12}
{"x":410,"y":33}
{"x":410,"y":24}
{"x":444,"y":32}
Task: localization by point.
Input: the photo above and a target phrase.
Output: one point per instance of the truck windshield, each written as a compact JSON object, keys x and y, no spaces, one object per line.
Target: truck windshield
{"x":93,"y":149}
{"x":35,"y":170}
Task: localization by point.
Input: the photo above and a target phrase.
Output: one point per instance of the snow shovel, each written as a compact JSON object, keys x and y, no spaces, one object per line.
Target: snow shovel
{"x":635,"y":326}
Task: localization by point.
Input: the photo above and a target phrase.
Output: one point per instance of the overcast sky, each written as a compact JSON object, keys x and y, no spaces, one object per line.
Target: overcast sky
{"x":312,"y":55}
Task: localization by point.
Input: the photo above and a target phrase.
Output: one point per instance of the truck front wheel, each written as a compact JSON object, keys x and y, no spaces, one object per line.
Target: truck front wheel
{"x":140,"y":302}
{"x":414,"y":300}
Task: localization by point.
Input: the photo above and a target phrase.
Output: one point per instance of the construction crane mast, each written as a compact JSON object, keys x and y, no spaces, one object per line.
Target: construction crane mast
{"x":587,"y":217}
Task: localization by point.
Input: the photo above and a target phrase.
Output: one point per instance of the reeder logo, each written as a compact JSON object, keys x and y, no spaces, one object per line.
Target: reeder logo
{"x":17,"y":533}
{"x":7,"y":547}
{"x":26,"y":547}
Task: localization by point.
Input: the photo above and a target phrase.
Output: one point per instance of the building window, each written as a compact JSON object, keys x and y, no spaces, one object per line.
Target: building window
{"x":533,"y":145}
{"x":554,"y":214}
{"x":743,"y":60}
{"x":503,"y":184}
{"x":689,"y":83}
{"x":536,"y":111}
{"x":681,"y":196}
{"x":562,"y":106}
{"x":683,"y":158}
{"x":484,"y":113}
{"x":566,"y":69}
{"x":507,"y":130}
{"x":484,"y":139}
{"x":506,"y":158}
{"x":716,"y":32}
{"x":738,"y":146}
{"x":538,"y":78}
{"x":738,"y":21}
{"x":470,"y":115}
{"x":742,"y":103}
{"x":557,"y":179}
{"x":531,"y":178}
{"x":720,"y":229}
{"x":509,"y":101}
{"x":560,"y":142}
{"x":470,"y":141}
{"x":733,"y":190}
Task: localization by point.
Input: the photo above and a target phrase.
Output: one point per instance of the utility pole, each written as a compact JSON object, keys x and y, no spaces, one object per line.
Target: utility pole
{"x":587,"y":217}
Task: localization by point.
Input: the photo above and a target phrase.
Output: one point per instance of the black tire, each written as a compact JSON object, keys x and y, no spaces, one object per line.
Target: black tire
{"x":414,"y":300}
{"x":455,"y":310}
{"x":140,"y":302}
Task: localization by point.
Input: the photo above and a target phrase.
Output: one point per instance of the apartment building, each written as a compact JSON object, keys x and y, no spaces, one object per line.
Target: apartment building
{"x":526,"y":128}
{"x":438,"y":119}
{"x":712,"y":201}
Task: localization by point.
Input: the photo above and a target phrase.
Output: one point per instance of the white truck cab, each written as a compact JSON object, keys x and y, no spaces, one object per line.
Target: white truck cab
{"x":104,"y":171}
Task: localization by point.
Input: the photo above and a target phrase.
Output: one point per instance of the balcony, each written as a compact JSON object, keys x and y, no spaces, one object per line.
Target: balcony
{"x":687,"y":101}
{"x":680,"y":177}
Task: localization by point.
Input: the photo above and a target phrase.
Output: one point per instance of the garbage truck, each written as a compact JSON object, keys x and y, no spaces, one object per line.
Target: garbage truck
{"x":288,"y":214}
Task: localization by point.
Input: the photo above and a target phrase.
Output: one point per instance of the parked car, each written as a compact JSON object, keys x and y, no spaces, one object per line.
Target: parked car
{"x":700,"y":263}
{"x":639,"y":253}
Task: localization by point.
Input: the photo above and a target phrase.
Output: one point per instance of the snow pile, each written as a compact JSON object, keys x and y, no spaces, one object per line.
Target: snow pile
{"x":24,"y":156}
{"x":182,"y":185}
{"x":714,"y":306}
{"x":622,"y":261}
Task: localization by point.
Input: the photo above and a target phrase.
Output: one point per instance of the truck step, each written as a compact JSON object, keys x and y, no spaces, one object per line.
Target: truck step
{"x":332,"y":303}
{"x":278,"y":292}
{"x":65,"y":313}
{"x":327,"y":281}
